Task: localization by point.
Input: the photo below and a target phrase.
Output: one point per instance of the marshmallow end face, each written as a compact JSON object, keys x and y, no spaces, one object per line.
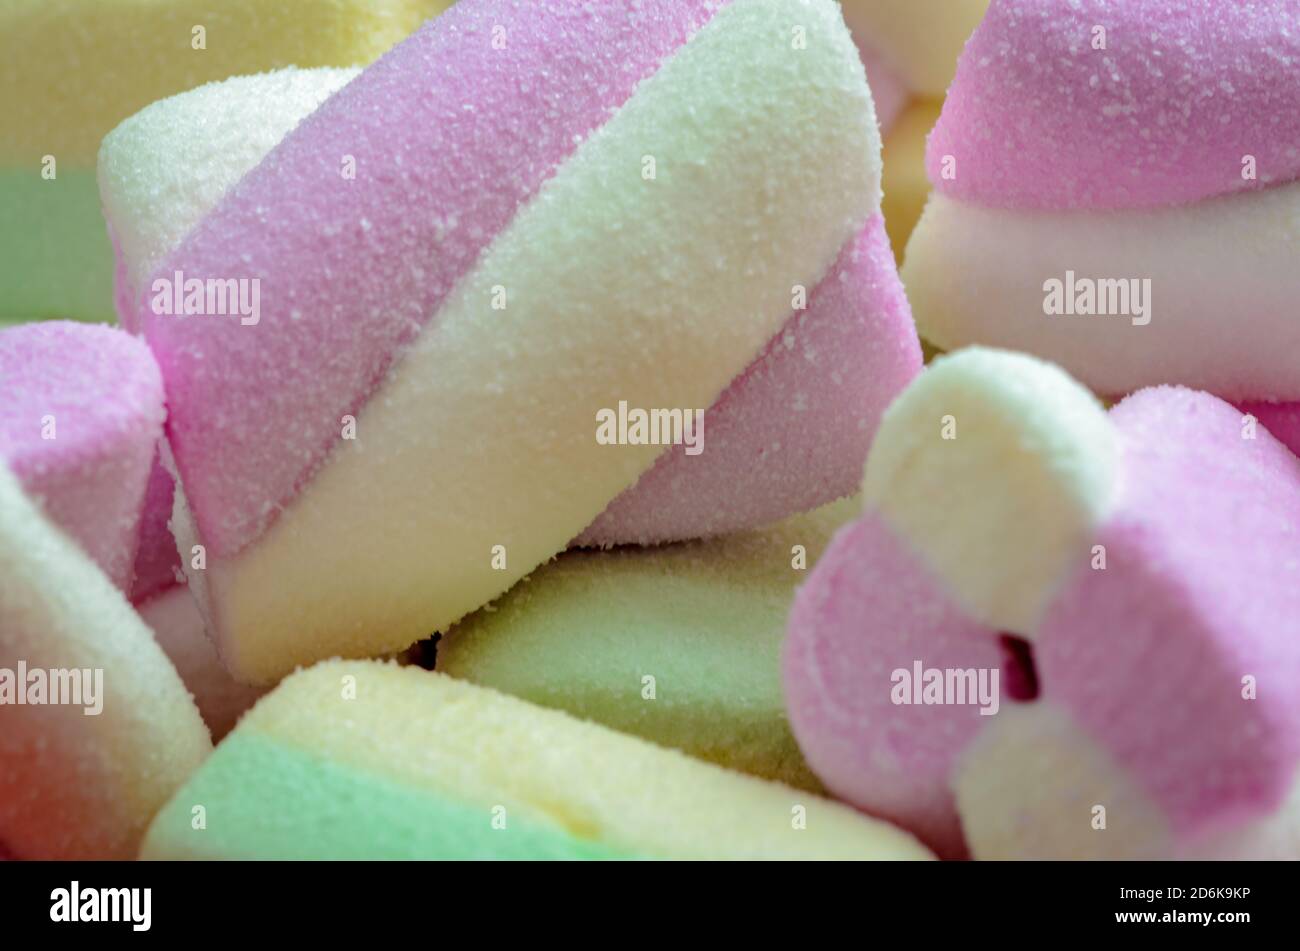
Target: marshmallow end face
{"x":994,"y":452}
{"x":165,"y":167}
{"x":1034,"y":785}
{"x":81,"y":411}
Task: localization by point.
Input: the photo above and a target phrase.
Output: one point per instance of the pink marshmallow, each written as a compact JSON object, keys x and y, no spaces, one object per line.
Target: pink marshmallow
{"x":1145,"y":659}
{"x":255,"y":409}
{"x":1165,"y":114}
{"x":79,"y":425}
{"x":792,"y":431}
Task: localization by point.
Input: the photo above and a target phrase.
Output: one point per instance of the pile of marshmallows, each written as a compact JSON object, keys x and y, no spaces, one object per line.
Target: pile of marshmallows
{"x":370,"y":319}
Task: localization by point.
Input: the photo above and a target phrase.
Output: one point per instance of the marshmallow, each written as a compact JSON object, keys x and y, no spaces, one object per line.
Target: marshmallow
{"x":98,"y":730}
{"x":407,"y":233}
{"x":1016,"y":672}
{"x":1117,"y":191}
{"x":371,"y":760}
{"x":79,"y":423}
{"x":677,"y":644}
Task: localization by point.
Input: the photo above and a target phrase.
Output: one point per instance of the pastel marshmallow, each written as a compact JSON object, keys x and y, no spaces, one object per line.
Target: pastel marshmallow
{"x":477,"y":362}
{"x":70,"y":70}
{"x":910,"y":50}
{"x":1116,"y":191}
{"x":164,"y":168}
{"x":371,"y":760}
{"x":841,"y":357}
{"x":677,"y":644}
{"x":1143,"y":699}
{"x":81,"y":778}
{"x":79,"y":424}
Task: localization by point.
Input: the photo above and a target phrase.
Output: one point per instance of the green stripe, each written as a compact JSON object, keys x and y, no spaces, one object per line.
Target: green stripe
{"x":263,"y":800}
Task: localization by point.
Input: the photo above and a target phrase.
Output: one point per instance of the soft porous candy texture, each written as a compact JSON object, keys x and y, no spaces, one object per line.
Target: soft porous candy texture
{"x":705,"y":620}
{"x":178,"y":628}
{"x":80,"y":418}
{"x":793,"y":430}
{"x":910,"y":49}
{"x":160,"y":172}
{"x":1170,"y":157}
{"x":475,"y":424}
{"x":1220,"y":312}
{"x":1199,"y":590}
{"x":164,"y":168}
{"x":1164,"y":115}
{"x":839,"y":360}
{"x":371,"y":760}
{"x":74,"y":786}
{"x":72,"y":69}
{"x":920,"y":40}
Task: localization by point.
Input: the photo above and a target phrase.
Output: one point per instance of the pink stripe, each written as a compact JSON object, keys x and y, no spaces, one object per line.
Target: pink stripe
{"x":101,"y":391}
{"x":1039,"y":117}
{"x":792,"y":431}
{"x":870,"y":608}
{"x":451,"y":133}
{"x":1200,"y":590}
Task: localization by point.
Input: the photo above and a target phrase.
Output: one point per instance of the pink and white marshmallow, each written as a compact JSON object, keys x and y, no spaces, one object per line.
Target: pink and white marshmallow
{"x":1117,"y":189}
{"x":515,"y":221}
{"x":1058,"y":632}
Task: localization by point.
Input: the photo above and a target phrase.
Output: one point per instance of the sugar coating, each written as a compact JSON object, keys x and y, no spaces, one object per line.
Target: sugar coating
{"x":1183,"y":92}
{"x":1222,"y":322}
{"x":1229,"y":602}
{"x":358,"y":266}
{"x":705,"y":620}
{"x":164,"y":168}
{"x":920,"y":40}
{"x":872,"y":607}
{"x":988,"y":417}
{"x":500,"y":405}
{"x":81,"y":416}
{"x":178,"y":628}
{"x":272,"y":802}
{"x":466,"y":750}
{"x":841,"y":359}
{"x":1198,"y":591}
{"x":792,"y":431}
{"x":74,"y":786}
